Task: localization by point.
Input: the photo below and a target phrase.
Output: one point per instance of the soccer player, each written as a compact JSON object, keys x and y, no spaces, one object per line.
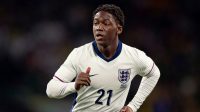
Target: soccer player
{"x":103,"y":69}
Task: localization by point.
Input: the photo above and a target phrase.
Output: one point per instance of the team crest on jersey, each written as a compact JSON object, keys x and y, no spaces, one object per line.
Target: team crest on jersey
{"x":124,"y":75}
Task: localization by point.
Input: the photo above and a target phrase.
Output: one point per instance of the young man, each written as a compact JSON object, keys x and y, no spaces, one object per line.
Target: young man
{"x":103,"y":69}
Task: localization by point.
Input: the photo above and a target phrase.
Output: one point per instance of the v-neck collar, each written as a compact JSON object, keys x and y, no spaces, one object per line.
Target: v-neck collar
{"x":117,"y":52}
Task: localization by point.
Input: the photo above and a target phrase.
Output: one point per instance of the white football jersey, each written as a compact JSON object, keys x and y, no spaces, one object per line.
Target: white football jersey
{"x":110,"y":78}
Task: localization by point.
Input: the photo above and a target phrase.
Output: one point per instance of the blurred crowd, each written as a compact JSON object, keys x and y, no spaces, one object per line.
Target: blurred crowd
{"x":36,"y":36}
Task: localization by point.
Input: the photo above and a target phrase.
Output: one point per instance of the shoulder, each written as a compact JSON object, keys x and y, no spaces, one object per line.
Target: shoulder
{"x":142,"y":62}
{"x":133,"y":51}
{"x":82,"y":52}
{"x":84,"y":48}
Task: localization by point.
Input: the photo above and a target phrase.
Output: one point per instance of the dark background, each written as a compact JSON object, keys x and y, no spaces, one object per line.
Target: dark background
{"x":36,"y":36}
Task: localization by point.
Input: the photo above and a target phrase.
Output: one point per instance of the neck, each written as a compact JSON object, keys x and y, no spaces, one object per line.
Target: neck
{"x":108,"y":51}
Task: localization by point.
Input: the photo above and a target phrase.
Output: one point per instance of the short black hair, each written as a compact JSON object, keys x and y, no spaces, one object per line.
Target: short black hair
{"x":112,"y":9}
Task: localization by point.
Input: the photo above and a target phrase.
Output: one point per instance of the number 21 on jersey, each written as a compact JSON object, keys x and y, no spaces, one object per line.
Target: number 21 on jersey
{"x":102,"y":93}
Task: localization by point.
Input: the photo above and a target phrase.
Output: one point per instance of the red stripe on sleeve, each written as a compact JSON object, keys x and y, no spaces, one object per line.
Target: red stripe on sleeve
{"x":58,"y":78}
{"x":150,"y":70}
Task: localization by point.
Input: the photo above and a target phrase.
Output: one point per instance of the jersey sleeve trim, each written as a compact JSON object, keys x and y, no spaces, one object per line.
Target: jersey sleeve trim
{"x":150,"y":70}
{"x":58,"y":78}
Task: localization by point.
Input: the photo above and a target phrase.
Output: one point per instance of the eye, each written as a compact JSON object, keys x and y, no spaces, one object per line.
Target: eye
{"x":107,"y":22}
{"x":95,"y":22}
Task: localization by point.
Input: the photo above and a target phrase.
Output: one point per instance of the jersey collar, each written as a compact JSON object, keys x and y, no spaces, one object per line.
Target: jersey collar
{"x":118,"y":51}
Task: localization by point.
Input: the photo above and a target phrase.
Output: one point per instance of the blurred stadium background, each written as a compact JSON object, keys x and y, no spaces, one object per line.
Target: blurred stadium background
{"x":37,"y":35}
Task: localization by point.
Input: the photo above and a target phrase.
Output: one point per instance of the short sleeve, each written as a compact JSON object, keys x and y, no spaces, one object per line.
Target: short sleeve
{"x":67,"y":71}
{"x":145,"y":63}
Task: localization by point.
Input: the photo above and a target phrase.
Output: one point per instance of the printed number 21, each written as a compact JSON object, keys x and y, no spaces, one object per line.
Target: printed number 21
{"x":102,"y":93}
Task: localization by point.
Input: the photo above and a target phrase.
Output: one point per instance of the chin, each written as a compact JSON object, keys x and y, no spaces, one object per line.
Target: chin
{"x":101,"y":43}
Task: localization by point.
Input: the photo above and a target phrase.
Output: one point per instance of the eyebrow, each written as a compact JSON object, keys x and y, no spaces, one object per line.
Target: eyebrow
{"x":103,"y":19}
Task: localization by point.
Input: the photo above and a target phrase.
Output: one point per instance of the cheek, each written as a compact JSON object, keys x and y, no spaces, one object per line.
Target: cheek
{"x":113,"y":32}
{"x":93,"y":30}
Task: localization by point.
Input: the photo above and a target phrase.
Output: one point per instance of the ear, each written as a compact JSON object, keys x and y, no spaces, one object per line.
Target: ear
{"x":119,"y":29}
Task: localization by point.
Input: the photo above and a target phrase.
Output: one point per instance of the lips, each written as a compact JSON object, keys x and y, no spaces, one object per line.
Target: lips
{"x":99,"y":35}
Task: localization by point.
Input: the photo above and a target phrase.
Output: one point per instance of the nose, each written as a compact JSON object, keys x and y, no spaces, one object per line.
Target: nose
{"x":99,"y":27}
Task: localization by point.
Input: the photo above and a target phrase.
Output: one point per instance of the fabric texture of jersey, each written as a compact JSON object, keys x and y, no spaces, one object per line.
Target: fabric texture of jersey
{"x":110,"y":78}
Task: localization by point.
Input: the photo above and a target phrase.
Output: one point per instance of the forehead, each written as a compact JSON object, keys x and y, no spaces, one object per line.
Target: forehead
{"x":103,"y":15}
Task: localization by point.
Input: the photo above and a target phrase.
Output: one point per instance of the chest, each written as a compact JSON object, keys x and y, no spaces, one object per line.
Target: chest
{"x":114,"y":75}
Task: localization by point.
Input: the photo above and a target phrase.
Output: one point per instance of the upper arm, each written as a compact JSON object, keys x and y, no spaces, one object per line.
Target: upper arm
{"x":67,"y":71}
{"x":144,"y":63}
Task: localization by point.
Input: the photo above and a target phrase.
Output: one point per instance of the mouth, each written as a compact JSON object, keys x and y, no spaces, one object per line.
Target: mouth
{"x":99,"y":36}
